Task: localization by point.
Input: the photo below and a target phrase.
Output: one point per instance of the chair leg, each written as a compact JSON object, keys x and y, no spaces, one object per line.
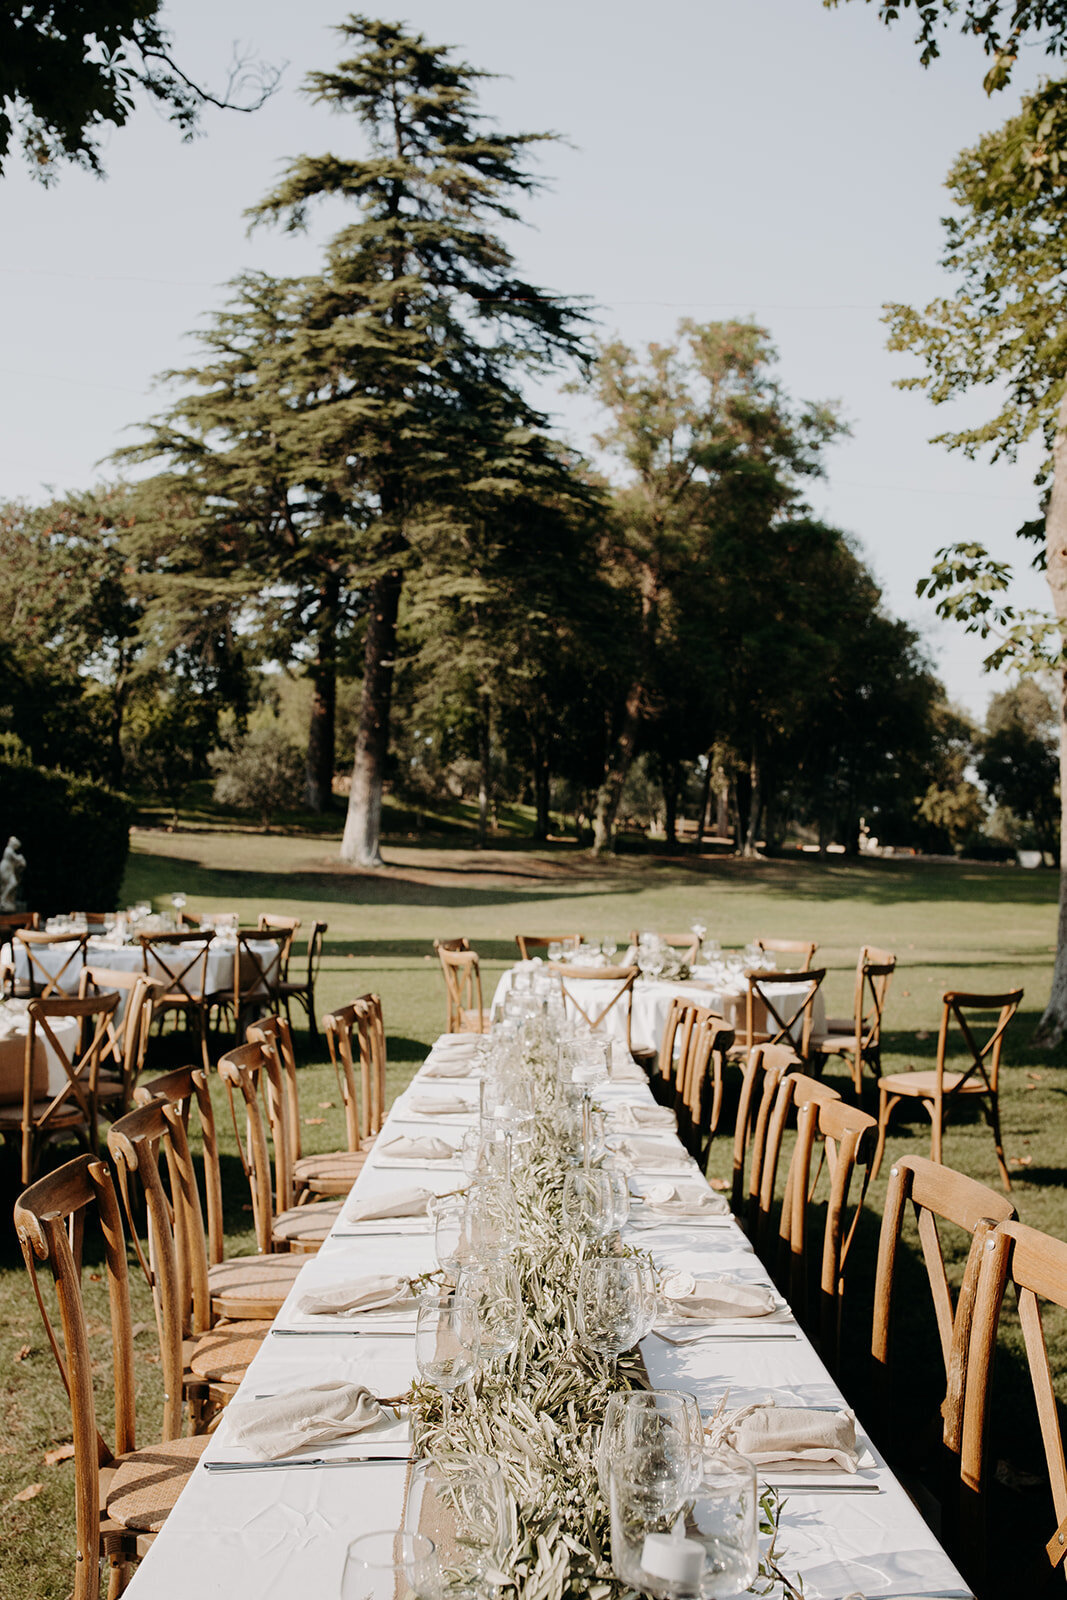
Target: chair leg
{"x":201,"y":1016}
{"x":885,"y":1106}
{"x":994,"y":1117}
{"x":937,"y":1118}
{"x":313,"y":1025}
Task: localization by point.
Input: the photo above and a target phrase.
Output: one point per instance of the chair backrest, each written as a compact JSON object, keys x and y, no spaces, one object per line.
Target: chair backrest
{"x":983,"y":1036}
{"x":674,"y":1044}
{"x":935,"y":1194}
{"x":248,"y":1069}
{"x":1036,"y":1264}
{"x":59,"y":976}
{"x":804,"y":949}
{"x":847,"y":1138}
{"x":275,"y":1034}
{"x":268,"y":922}
{"x":127,"y":1042}
{"x":764,"y":1067}
{"x":536,"y":941}
{"x":259,"y":963}
{"x":452,"y":944}
{"x":786,"y":1017}
{"x":316,"y":940}
{"x":179,"y":962}
{"x":792,"y":1091}
{"x":50,"y":1222}
{"x":359,"y":1030}
{"x":80,"y":1065}
{"x":702,"y":1086}
{"x":463,"y":983}
{"x":10,"y":920}
{"x":576,"y":983}
{"x":874,"y":973}
{"x":184,"y":1088}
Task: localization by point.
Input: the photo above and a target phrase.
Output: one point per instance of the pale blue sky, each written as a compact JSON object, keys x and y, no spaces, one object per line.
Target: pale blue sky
{"x":725,"y":158}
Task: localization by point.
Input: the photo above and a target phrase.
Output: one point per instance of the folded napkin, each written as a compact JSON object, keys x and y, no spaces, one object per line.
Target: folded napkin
{"x":440,"y":1105}
{"x":449,"y":1066}
{"x":397,"y":1203}
{"x":709,"y":1299}
{"x":427,"y":1149}
{"x":281,"y":1423}
{"x":769,"y":1433}
{"x":649,"y":1153}
{"x":456,"y":1042}
{"x":13,"y":1023}
{"x":667,"y":1201}
{"x":378,"y":1292}
{"x":627,"y":1116}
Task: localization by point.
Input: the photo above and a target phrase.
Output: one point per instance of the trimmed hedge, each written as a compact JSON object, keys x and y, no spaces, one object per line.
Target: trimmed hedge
{"x":75,"y":835}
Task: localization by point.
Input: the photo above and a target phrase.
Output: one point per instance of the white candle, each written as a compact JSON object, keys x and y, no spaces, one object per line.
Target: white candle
{"x":674,"y":1560}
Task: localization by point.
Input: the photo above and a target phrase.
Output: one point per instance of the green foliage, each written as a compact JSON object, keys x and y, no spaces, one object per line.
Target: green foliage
{"x":168,"y":735}
{"x":1002,"y":26}
{"x":75,"y":836}
{"x":1019,"y":764}
{"x":71,"y":68}
{"x":263,"y":774}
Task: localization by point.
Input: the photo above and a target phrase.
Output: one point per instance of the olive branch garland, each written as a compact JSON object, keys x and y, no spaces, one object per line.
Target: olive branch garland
{"x":538,"y":1410}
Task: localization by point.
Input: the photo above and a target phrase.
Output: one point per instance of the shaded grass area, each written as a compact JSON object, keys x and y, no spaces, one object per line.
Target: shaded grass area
{"x":985,"y":927}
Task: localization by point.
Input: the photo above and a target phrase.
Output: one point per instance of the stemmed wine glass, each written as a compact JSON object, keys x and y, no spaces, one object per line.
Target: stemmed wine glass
{"x":664,"y":1422}
{"x":612,"y":1306}
{"x":463,"y":1495}
{"x":493,"y":1286}
{"x":589,"y":1203}
{"x":447,"y":1345}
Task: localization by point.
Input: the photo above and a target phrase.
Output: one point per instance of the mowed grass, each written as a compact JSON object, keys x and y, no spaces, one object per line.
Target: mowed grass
{"x":979,"y":928}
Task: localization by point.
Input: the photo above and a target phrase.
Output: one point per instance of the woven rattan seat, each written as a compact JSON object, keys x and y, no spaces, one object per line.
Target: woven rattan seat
{"x":224,"y":1355}
{"x":251,"y":1286}
{"x":340,"y":1168}
{"x":305,"y":1227}
{"x":146,"y":1484}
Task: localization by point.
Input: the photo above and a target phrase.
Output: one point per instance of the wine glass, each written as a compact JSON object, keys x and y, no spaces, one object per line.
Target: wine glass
{"x":589,"y":1203}
{"x":724,"y":1520}
{"x":608,"y":948}
{"x":611,"y":1306}
{"x":446,"y":1345}
{"x":463,"y":1497}
{"x":664,"y":1420}
{"x":620,"y":1197}
{"x":448,"y":1238}
{"x":494,"y":1288}
{"x":391,"y":1563}
{"x":490,"y":1221}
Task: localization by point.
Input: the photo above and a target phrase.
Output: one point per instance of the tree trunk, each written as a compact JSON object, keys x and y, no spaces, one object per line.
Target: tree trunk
{"x":615,"y":772}
{"x":705,"y":802}
{"x":485,"y":776}
{"x":318,"y":772}
{"x":363,"y":824}
{"x":755,"y":808}
{"x":722,"y":811}
{"x":670,"y":801}
{"x":1053,"y":1024}
{"x":542,"y":783}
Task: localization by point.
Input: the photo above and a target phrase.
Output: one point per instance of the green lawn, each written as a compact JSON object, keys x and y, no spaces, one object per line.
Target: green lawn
{"x":974,"y":927}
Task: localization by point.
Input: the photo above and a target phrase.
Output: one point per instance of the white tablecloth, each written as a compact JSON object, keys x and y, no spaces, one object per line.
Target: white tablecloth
{"x":281,"y":1534}
{"x":15,"y":1024}
{"x":652,"y":1000}
{"x":128,"y":958}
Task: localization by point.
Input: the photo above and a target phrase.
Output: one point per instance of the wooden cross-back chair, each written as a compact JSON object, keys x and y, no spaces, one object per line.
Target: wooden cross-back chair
{"x":774,"y":1016}
{"x":664,"y":1066}
{"x":257,"y":973}
{"x":303,"y":991}
{"x":939,"y":1090}
{"x":252,"y":1071}
{"x":1035,"y":1264}
{"x":764,"y":1067}
{"x":859,"y":1038}
{"x":528,"y":942}
{"x":701,"y":1085}
{"x":178,"y":963}
{"x":934,"y":1194}
{"x":10,"y":920}
{"x":792,"y":1091}
{"x":44,"y":979}
{"x":73,"y":1108}
{"x":269,"y":922}
{"x":844,"y":1137}
{"x":465,"y":1011}
{"x":804,"y":949}
{"x":242,"y":1286}
{"x":127,"y":1041}
{"x":122,"y":1494}
{"x":174,"y":1261}
{"x":594,"y":1010}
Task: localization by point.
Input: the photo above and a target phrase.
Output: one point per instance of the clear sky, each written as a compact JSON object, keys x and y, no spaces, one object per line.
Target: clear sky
{"x":724,"y":158}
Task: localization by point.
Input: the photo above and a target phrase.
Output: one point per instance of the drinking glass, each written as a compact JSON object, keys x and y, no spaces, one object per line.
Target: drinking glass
{"x":490,"y":1222}
{"x":391,"y":1565}
{"x":446,"y":1345}
{"x":493,"y":1286}
{"x":448,"y":1239}
{"x":663,"y":1420}
{"x":555,"y":950}
{"x":611,"y":1306}
{"x":463,"y":1497}
{"x":620,"y":1197}
{"x":608,"y":948}
{"x":589,"y":1203}
{"x":724,"y":1521}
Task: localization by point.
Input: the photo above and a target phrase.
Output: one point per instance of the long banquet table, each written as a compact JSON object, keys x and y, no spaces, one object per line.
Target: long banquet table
{"x":282,"y":1532}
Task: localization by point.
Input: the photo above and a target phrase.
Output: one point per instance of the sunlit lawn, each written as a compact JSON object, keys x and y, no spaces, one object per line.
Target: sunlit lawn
{"x":973,"y":927}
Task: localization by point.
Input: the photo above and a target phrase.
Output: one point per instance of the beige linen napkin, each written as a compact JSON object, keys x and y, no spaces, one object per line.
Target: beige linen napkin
{"x":407,"y":1149}
{"x":626,"y":1116}
{"x":281,"y":1423}
{"x":652,"y":1155}
{"x":708,"y":1299}
{"x":378,"y":1292}
{"x":438,"y":1105}
{"x":449,"y":1066}
{"x":397,"y":1203}
{"x":666,"y":1201}
{"x":769,"y":1433}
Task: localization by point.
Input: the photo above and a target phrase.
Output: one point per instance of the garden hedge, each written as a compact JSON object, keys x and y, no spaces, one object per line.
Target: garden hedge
{"x":75,"y":835}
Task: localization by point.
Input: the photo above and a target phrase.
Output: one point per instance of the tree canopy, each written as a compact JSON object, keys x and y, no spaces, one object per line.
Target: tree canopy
{"x":1002,"y":26}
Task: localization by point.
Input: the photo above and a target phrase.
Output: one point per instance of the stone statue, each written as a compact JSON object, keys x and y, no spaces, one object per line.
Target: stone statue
{"x":12,"y":866}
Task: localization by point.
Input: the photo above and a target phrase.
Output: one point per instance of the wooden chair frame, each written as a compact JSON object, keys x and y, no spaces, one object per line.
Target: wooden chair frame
{"x":531,"y":941}
{"x":623,"y":978}
{"x":780,"y":1024}
{"x":764,"y":1066}
{"x":74,"y":1107}
{"x":267,"y":922}
{"x":804,"y":948}
{"x":180,"y":993}
{"x":980,"y":1078}
{"x":305,"y":992}
{"x":792,"y":1091}
{"x":46,"y":985}
{"x":127,"y":1041}
{"x":463,"y":985}
{"x":257,"y":978}
{"x":688,"y":944}
{"x":702,"y":1085}
{"x":50,"y":1222}
{"x":861,"y":1038}
{"x":663,"y":1066}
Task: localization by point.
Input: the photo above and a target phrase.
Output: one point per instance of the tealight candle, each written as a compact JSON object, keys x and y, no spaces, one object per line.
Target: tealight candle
{"x":674,"y":1560}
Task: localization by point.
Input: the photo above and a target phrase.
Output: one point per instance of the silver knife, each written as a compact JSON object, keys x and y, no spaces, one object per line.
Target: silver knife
{"x":344,"y":1333}
{"x":305,"y":1461}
